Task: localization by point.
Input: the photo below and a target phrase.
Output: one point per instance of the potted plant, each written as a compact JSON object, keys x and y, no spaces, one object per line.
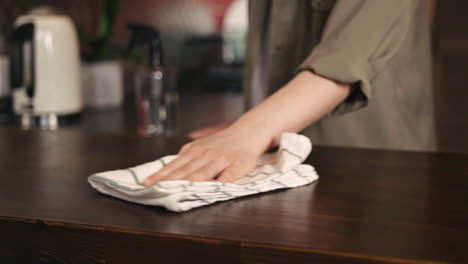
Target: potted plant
{"x":102,"y":71}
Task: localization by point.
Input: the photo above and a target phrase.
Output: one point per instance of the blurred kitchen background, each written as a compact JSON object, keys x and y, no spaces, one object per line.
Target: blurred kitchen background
{"x":204,"y":40}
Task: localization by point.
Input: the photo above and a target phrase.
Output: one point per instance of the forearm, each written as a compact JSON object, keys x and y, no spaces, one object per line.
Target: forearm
{"x":304,"y":100}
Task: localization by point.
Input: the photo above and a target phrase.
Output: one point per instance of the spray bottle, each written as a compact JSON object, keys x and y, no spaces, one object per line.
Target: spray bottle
{"x":156,"y":96}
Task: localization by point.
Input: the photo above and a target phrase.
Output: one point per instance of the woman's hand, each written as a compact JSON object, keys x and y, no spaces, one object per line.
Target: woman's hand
{"x":233,"y":152}
{"x":224,"y":156}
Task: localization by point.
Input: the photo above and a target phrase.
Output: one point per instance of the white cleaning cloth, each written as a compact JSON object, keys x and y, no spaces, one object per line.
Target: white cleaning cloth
{"x":281,"y":169}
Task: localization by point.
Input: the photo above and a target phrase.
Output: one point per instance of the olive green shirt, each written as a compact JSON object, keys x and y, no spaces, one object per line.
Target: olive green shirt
{"x":380,"y":47}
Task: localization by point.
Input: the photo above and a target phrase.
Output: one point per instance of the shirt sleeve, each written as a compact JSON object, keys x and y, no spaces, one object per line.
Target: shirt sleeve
{"x":358,"y":41}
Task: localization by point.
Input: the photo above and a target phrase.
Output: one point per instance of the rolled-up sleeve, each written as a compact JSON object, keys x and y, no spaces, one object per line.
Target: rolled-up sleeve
{"x":359,"y":39}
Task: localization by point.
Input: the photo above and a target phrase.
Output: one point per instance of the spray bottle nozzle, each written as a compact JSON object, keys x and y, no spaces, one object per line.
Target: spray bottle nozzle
{"x":146,"y":35}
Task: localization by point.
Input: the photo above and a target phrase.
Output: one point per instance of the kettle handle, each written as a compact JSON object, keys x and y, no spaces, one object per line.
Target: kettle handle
{"x":19,"y":36}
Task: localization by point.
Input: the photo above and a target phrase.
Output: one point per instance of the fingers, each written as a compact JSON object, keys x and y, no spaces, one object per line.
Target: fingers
{"x":234,"y":173}
{"x":180,"y":161}
{"x":224,"y":155}
{"x":205,"y":166}
{"x":188,"y":169}
{"x":209,"y":171}
{"x":197,"y":166}
{"x":185,"y":148}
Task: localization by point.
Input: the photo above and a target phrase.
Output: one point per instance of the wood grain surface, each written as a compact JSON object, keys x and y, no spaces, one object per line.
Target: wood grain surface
{"x":368,"y":206}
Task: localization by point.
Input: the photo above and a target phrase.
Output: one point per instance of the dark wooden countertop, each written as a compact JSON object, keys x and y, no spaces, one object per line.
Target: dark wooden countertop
{"x":369,"y":206}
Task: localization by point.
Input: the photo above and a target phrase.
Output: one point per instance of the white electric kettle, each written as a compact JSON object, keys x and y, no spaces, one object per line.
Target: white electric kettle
{"x":45,"y":68}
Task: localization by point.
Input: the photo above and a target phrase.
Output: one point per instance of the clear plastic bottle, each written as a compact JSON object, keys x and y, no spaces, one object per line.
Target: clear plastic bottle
{"x":157,"y":102}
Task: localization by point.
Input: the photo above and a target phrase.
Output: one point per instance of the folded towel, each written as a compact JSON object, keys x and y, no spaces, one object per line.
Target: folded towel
{"x":278,"y":170}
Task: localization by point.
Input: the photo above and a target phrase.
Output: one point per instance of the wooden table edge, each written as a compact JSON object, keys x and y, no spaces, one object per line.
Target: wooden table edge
{"x":248,"y":250}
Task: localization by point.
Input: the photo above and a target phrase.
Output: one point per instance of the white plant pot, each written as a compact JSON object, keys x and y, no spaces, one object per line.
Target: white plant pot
{"x":102,"y":84}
